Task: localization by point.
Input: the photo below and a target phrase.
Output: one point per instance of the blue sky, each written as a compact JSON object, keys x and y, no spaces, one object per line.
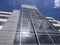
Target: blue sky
{"x":47,"y":7}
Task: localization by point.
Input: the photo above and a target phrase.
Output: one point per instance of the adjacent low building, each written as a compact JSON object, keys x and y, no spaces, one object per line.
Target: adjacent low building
{"x":4,"y":17}
{"x":54,"y":22}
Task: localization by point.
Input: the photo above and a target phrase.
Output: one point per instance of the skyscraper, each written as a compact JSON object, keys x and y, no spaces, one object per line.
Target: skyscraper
{"x":28,"y":26}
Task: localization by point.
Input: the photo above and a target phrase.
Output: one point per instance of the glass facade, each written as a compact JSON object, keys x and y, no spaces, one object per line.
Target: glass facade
{"x":34,"y":29}
{"x":2,"y":23}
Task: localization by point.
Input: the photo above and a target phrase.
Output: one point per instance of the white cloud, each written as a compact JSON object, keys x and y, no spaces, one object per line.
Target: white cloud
{"x":57,"y":4}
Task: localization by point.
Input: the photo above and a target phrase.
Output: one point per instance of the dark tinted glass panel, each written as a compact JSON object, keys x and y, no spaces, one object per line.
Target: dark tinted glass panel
{"x":25,"y":10}
{"x":57,"y":27}
{"x":56,"y":38}
{"x":2,"y":23}
{"x":53,"y":22}
{"x":4,"y":17}
{"x":44,"y":39}
{"x":50,"y":19}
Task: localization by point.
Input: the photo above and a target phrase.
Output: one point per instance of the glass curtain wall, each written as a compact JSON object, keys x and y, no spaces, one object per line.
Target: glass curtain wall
{"x":34,"y":29}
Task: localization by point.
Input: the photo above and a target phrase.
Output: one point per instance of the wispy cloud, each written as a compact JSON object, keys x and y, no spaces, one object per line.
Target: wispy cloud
{"x":57,"y":4}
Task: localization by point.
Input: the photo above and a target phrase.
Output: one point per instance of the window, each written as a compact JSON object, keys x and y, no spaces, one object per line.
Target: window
{"x":44,"y":39}
{"x":25,"y":10}
{"x":56,"y":38}
{"x":4,"y":17}
{"x":2,"y":23}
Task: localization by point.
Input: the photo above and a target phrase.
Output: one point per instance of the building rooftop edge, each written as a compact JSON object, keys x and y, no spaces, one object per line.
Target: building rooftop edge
{"x":5,"y":12}
{"x":28,"y":6}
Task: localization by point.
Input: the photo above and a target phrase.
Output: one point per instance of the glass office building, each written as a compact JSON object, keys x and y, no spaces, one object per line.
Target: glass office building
{"x":28,"y":26}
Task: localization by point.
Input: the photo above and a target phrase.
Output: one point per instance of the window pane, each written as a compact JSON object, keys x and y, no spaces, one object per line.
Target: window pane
{"x":44,"y":39}
{"x":56,"y":38}
{"x":4,"y":17}
{"x":2,"y":23}
{"x":28,"y":38}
